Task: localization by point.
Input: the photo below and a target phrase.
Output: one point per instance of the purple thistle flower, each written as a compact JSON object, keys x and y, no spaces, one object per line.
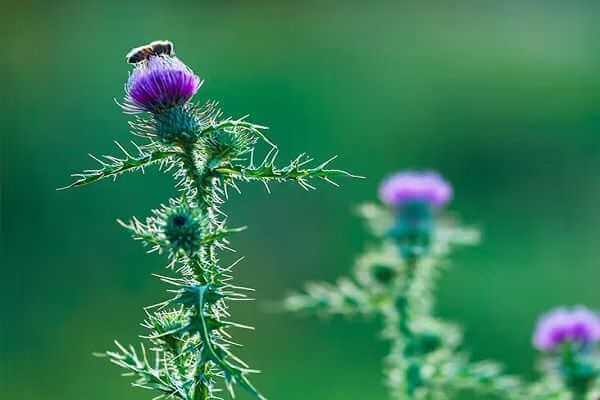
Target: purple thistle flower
{"x":415,"y":186}
{"x":561,"y":325}
{"x":159,"y":83}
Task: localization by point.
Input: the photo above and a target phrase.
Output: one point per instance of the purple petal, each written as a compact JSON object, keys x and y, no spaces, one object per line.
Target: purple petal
{"x":160,"y":83}
{"x":577,"y":325}
{"x":410,"y":186}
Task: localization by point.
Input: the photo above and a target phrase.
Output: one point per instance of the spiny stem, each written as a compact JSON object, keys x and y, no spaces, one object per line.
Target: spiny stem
{"x":196,"y":175}
{"x":198,"y":179}
{"x":402,"y":301}
{"x":201,"y":391}
{"x":401,"y":316}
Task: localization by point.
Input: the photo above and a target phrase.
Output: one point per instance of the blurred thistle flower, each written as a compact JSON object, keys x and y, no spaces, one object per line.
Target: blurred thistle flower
{"x":414,"y":195}
{"x":578,"y":325}
{"x":159,"y":83}
{"x":415,"y":187}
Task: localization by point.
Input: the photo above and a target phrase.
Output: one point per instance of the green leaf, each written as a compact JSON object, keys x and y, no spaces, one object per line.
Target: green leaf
{"x":153,"y":376}
{"x":111,"y":167}
{"x":215,"y":352}
{"x":296,"y":170}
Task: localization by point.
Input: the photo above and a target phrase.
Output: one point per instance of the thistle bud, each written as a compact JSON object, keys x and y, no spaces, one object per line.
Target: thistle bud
{"x":183,"y":229}
{"x":226,"y":146}
{"x":384,"y":274}
{"x":422,"y":344}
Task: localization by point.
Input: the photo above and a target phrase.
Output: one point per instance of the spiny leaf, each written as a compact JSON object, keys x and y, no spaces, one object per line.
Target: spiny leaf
{"x":149,"y":375}
{"x":295,"y":171}
{"x":213,"y":352}
{"x":111,"y":167}
{"x":343,"y":298}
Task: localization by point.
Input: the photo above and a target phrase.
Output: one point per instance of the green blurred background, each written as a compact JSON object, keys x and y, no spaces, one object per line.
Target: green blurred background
{"x":501,"y":97}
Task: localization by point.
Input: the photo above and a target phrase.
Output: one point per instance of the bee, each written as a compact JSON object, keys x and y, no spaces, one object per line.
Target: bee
{"x":155,"y":48}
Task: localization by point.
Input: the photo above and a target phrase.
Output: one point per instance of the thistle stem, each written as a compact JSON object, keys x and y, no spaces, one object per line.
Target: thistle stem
{"x":402,"y":302}
{"x":202,"y":182}
{"x":403,"y":335}
{"x":197,"y":176}
{"x":201,"y":391}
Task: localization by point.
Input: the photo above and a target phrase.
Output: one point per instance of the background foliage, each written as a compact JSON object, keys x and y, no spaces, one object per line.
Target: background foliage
{"x":502,"y":97}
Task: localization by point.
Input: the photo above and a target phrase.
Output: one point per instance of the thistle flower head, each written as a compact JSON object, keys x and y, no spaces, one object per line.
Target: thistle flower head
{"x":578,"y":325}
{"x":159,"y":83}
{"x":415,"y":187}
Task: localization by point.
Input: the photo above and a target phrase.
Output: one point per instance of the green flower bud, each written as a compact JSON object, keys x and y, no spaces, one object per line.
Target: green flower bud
{"x":221,"y":145}
{"x":183,"y":229}
{"x":384,"y":274}
{"x":422,"y":344}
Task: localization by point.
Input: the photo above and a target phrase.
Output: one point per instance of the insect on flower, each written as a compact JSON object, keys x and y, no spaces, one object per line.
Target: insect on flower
{"x":155,"y":48}
{"x":159,"y":82}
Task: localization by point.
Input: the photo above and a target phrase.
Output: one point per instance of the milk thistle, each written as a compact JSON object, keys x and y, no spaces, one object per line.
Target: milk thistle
{"x":188,"y":349}
{"x":395,"y":281}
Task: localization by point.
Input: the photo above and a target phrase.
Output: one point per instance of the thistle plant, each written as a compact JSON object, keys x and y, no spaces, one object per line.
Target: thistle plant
{"x":187,"y":350}
{"x":395,"y":282}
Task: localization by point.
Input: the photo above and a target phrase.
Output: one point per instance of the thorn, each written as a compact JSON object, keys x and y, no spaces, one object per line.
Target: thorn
{"x":123,"y":149}
{"x":267,"y":187}
{"x":327,"y":179}
{"x":327,"y":162}
{"x":98,"y":160}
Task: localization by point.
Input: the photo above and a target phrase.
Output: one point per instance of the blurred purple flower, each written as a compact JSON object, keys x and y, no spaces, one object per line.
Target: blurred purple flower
{"x":577,"y":325}
{"x":414,"y":186}
{"x":159,"y":83}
